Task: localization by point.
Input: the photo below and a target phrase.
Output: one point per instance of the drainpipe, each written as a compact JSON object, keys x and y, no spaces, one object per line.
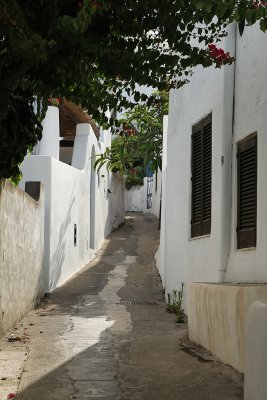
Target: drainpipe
{"x":226,"y":162}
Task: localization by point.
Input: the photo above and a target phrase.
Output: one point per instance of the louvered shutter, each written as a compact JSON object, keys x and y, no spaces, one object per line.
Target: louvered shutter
{"x":247,"y":193}
{"x":201,"y":178}
{"x":197,"y":166}
{"x":207,"y":155}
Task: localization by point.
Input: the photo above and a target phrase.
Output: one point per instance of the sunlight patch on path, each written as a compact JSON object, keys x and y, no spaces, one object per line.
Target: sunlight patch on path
{"x":115,"y":311}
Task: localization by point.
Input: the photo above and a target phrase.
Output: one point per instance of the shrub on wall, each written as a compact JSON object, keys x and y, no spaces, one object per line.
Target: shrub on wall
{"x":19,"y":131}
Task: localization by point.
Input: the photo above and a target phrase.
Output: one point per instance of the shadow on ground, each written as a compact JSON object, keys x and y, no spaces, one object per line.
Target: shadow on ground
{"x":106,"y":335}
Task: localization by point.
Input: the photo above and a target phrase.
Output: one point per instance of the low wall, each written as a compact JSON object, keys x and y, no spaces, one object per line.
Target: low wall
{"x":256,"y":353}
{"x":136,"y":197}
{"x":82,"y":206}
{"x":21,"y":253}
{"x":217,"y":316}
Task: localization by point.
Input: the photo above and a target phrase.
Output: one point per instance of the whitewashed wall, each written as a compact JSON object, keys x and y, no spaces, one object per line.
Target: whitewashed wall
{"x":136,"y":197}
{"x":160,"y":255}
{"x":250,"y":116}
{"x":49,"y":145}
{"x":135,"y":200}
{"x":215,"y":257}
{"x":21,"y":253}
{"x":69,"y":202}
{"x":117,"y":200}
{"x":199,"y":259}
{"x":237,"y":98}
{"x":156,"y":193}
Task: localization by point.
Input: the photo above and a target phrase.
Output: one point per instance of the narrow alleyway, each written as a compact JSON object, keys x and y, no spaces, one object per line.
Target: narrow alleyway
{"x":106,"y":335}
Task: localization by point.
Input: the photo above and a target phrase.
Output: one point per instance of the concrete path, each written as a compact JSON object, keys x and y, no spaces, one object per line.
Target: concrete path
{"x":106,"y":335}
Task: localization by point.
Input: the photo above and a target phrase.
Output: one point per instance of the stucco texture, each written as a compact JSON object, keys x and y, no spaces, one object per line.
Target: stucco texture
{"x":217,"y":318}
{"x":21,"y":253}
{"x":256,"y":352}
{"x":82,"y":206}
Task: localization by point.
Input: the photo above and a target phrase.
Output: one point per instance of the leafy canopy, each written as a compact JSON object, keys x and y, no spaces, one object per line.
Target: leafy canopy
{"x":138,"y":144}
{"x":94,"y":52}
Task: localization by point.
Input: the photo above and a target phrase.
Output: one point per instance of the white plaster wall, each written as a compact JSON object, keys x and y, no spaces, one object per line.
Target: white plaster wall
{"x":250,"y":116}
{"x":200,"y":259}
{"x":65,"y":196}
{"x":216,"y":258}
{"x":67,"y":203}
{"x":160,"y":256}
{"x":156,"y":194}
{"x":117,"y":200}
{"x":21,"y":253}
{"x":49,"y":144}
{"x":136,"y":197}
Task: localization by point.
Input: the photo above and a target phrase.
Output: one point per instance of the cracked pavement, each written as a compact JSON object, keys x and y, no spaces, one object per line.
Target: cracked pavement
{"x":105,"y":335}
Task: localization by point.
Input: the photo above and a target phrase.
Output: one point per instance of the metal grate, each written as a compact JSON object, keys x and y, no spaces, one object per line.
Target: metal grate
{"x":140,"y":303}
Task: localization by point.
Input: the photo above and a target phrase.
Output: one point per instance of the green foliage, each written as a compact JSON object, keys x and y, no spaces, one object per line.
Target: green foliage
{"x":19,"y":130}
{"x":15,"y":180}
{"x":138,"y":142}
{"x":143,"y":126}
{"x":175,"y":304}
{"x":115,"y":158}
{"x":95,"y":52}
{"x":134,"y":177}
{"x":86,"y":50}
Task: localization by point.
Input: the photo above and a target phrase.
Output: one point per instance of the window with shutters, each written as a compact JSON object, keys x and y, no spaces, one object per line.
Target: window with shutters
{"x":247,"y":193}
{"x":201,"y":178}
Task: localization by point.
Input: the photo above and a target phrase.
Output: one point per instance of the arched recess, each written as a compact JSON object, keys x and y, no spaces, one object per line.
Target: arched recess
{"x":92,"y":200}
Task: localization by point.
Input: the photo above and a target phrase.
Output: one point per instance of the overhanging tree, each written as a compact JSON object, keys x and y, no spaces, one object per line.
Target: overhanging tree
{"x":138,"y":144}
{"x":94,"y":52}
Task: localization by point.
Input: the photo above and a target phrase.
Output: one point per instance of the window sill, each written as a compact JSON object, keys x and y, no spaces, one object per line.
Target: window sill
{"x":198,"y":237}
{"x":246,"y":249}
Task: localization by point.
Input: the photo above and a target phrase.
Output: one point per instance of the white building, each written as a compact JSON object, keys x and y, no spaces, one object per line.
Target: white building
{"x":216,"y":195}
{"x":81,"y":206}
{"x":145,"y":198}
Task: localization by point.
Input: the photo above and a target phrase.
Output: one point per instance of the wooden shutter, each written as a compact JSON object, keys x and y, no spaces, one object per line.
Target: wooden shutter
{"x":201,"y":178}
{"x":197,"y":196}
{"x":247,"y":193}
{"x":207,"y":152}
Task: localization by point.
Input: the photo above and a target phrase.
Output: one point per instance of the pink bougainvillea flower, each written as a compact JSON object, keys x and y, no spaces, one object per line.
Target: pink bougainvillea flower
{"x":11,"y":396}
{"x":259,"y":4}
{"x":54,"y":101}
{"x":219,"y":55}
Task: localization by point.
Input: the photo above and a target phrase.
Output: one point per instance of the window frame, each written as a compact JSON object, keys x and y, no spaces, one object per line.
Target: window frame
{"x":203,"y":227}
{"x":246,"y":238}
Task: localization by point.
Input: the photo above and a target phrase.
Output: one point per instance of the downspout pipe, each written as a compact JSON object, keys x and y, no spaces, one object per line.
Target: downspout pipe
{"x":227,"y":151}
